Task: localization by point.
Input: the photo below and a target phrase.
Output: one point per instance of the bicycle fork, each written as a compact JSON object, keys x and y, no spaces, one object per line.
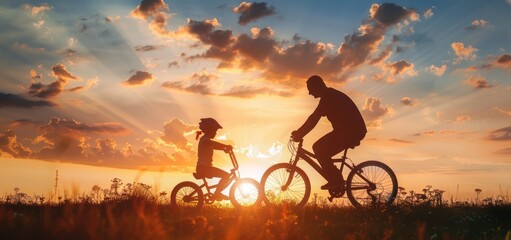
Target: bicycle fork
{"x":289,"y":179}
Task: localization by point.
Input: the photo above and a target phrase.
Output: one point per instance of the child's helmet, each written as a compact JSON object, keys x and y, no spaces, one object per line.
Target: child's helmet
{"x":209,"y":123}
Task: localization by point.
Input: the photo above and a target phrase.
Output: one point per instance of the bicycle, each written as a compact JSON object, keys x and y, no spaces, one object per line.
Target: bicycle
{"x":244,"y":192}
{"x":368,"y":183}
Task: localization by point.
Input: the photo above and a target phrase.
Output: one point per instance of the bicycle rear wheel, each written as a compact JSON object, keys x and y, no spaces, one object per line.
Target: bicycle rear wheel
{"x":245,"y":193}
{"x":285,"y":184}
{"x":371,"y":183}
{"x":187,"y":194}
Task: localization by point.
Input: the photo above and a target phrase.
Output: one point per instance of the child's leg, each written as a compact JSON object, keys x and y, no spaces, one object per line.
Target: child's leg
{"x":217,"y":172}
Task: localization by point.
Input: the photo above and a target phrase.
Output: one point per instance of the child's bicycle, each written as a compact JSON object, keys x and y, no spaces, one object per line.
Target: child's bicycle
{"x":244,"y":193}
{"x":368,"y":183}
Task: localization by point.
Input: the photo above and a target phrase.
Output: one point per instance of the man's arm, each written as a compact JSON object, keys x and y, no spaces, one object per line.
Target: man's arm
{"x":309,"y":124}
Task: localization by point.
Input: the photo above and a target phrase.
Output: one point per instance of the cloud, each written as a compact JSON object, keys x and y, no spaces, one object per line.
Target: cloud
{"x":27,"y":48}
{"x":20,"y":122}
{"x":373,"y":112}
{"x":10,"y":146}
{"x":59,"y":71}
{"x":390,"y":14}
{"x":502,"y":134}
{"x":502,"y":61}
{"x":148,"y":8}
{"x":35,"y":10}
{"x":393,"y":71}
{"x":256,"y":49}
{"x":112,"y":18}
{"x":74,"y":141}
{"x":250,"y":92}
{"x":66,"y":139}
{"x":139,"y":78}
{"x":73,"y":125}
{"x":502,"y":111}
{"x":11,"y":100}
{"x":428,"y":13}
{"x":283,"y":63}
{"x":463,"y":118}
{"x":174,"y":133}
{"x":439,"y":71}
{"x":205,"y":31}
{"x":395,"y":140}
{"x":147,"y":48}
{"x":430,"y":133}
{"x":250,"y":12}
{"x":90,"y":83}
{"x":478,"y":82}
{"x":481,"y":23}
{"x":400,"y":67}
{"x":462,"y":52}
{"x":409,"y":101}
{"x":505,"y":151}
{"x":197,"y":83}
{"x":173,"y":64}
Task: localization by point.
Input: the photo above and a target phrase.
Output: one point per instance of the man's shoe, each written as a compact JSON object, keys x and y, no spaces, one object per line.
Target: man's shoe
{"x":330,"y":185}
{"x":333,"y":185}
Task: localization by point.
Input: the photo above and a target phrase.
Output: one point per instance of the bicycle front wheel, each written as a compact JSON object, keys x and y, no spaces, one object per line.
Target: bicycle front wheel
{"x":187,"y":194}
{"x":371,"y":183}
{"x":245,"y":193}
{"x":285,"y":184}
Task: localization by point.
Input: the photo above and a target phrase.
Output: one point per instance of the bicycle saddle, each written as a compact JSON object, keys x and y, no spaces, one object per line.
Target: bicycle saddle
{"x":352,"y":145}
{"x":200,"y":176}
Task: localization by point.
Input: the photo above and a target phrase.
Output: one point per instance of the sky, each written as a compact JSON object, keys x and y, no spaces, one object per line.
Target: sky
{"x":103,"y":89}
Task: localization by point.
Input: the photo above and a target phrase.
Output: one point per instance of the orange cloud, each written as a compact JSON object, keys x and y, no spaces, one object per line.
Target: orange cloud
{"x":478,"y":82}
{"x":502,"y":61}
{"x":462,"y":52}
{"x":502,"y":134}
{"x":439,"y":71}
{"x":35,"y":10}
{"x":139,"y":78}
{"x":409,"y":101}
{"x":373,"y":112}
{"x":480,"y":23}
{"x":53,"y":89}
{"x":285,"y":62}
{"x":250,"y":92}
{"x":250,"y":12}
{"x":10,"y":146}
{"x":197,"y":83}
{"x":11,"y":100}
{"x":428,"y":13}
{"x":148,"y":8}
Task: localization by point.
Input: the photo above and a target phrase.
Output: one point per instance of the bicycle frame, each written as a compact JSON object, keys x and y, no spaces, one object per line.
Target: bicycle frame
{"x":233,"y":176}
{"x":301,"y":153}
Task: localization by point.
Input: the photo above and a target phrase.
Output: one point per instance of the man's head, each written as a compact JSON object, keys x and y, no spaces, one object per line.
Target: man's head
{"x":316,"y":86}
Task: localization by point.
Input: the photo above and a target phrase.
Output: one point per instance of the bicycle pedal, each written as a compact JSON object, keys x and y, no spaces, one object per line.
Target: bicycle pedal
{"x":330,"y":199}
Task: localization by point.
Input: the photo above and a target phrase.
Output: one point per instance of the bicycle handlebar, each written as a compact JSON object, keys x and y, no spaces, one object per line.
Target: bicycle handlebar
{"x":233,"y":159}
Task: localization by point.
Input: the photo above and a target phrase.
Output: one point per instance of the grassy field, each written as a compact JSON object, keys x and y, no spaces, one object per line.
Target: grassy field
{"x":142,"y":219}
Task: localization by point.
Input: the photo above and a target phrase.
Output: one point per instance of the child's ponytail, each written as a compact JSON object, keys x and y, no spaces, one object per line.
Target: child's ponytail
{"x":197,"y":134}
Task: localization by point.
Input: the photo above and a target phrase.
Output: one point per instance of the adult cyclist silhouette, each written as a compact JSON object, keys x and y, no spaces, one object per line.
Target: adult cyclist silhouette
{"x":347,"y":123}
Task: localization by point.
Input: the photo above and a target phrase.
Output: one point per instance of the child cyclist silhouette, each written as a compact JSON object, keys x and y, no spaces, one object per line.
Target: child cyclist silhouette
{"x":205,"y":168}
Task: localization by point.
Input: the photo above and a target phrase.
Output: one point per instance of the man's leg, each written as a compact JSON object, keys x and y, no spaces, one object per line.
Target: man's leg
{"x":324,"y":149}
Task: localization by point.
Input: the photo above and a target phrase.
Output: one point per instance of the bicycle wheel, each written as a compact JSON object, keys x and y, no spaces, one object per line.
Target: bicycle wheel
{"x":371,"y":183}
{"x":187,"y":194}
{"x":285,"y":184}
{"x":245,"y":193}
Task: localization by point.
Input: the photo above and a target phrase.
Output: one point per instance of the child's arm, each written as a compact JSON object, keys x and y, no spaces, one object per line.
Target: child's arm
{"x":221,"y":146}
